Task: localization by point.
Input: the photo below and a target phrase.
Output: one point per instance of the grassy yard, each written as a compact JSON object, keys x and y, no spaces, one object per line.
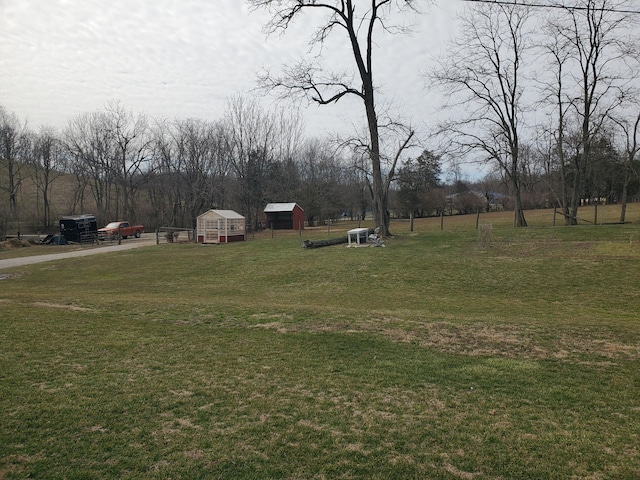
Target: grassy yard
{"x":439,"y":356}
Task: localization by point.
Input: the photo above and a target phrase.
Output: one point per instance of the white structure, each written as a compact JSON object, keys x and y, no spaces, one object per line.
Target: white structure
{"x":359,"y":235}
{"x":220,"y":226}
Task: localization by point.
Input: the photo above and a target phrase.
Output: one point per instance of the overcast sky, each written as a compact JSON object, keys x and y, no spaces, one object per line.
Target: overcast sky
{"x":183,"y":58}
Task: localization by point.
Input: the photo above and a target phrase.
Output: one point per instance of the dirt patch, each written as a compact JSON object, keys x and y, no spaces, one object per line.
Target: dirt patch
{"x":277,"y":326}
{"x":475,"y":340}
{"x":514,"y":341}
{"x":507,"y":341}
{"x":459,"y":473}
{"x":72,"y":308}
{"x":7,"y":276}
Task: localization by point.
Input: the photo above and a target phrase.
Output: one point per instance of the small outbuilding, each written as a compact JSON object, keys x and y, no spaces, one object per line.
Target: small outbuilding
{"x":284,"y":216}
{"x":79,"y":228}
{"x":220,"y":226}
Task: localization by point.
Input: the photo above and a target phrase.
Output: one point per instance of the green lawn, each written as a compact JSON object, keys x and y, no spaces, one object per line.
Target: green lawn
{"x":433,"y":357}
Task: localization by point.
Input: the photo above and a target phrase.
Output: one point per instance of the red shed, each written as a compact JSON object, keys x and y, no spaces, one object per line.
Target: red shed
{"x":284,"y":216}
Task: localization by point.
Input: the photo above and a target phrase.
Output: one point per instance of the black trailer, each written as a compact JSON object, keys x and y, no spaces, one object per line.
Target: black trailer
{"x":79,"y":228}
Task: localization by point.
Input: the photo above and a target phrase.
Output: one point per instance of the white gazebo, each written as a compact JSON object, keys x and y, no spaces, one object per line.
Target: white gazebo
{"x":220,"y":226}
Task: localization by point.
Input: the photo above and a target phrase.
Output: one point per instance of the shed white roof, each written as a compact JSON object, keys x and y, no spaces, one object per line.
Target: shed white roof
{"x":223,"y":213}
{"x":280,"y":207}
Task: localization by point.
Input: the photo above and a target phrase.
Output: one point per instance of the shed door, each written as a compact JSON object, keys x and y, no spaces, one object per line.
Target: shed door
{"x":212,"y":230}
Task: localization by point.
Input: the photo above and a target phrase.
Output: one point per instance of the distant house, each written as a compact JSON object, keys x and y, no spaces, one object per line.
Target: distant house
{"x":467,"y":202}
{"x":473,"y":200}
{"x":220,"y":226}
{"x":284,"y":216}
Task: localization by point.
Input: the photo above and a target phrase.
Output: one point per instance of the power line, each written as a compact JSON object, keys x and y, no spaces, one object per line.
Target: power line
{"x":560,"y":7}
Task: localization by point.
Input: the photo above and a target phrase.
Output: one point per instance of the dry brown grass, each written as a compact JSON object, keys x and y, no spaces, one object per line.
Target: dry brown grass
{"x":480,"y":339}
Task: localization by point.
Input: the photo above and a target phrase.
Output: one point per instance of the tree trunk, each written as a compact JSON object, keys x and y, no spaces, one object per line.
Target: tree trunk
{"x":519,"y":220}
{"x":623,"y":200}
{"x":577,"y":190}
{"x":325,"y":243}
{"x":379,"y":195}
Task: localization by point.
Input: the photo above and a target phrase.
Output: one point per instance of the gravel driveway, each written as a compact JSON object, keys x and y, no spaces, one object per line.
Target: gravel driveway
{"x":145,"y":240}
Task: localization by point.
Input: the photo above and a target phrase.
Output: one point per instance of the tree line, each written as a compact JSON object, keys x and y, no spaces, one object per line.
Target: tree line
{"x":117,"y":165}
{"x":550,"y":103}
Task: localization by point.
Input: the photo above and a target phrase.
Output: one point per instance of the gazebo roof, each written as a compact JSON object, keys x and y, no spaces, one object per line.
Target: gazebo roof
{"x":224,"y":213}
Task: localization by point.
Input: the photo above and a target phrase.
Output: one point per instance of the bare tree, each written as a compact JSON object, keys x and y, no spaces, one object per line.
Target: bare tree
{"x":220,"y":164}
{"x":551,"y":138}
{"x":131,"y":142}
{"x":191,"y":160}
{"x":320,"y":174}
{"x":162,"y":190}
{"x":250,"y":132}
{"x":308,"y":79}
{"x":549,"y":155}
{"x":629,"y":132}
{"x":48,"y":165}
{"x":191,"y":166}
{"x":398,"y":138}
{"x":358,"y":192}
{"x":90,"y":158}
{"x":14,"y":143}
{"x":482,"y":73}
{"x":592,"y":53}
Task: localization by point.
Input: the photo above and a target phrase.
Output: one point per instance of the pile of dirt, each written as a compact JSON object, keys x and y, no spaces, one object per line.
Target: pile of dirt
{"x":14,"y":243}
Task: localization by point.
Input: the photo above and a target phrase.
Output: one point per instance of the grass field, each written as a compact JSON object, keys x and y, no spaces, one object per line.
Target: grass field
{"x":441,"y":356}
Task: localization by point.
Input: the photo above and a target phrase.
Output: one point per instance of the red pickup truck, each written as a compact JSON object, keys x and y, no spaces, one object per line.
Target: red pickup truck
{"x":123,"y":229}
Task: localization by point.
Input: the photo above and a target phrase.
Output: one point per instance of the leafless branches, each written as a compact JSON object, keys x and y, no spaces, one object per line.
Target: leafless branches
{"x":483,"y":73}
